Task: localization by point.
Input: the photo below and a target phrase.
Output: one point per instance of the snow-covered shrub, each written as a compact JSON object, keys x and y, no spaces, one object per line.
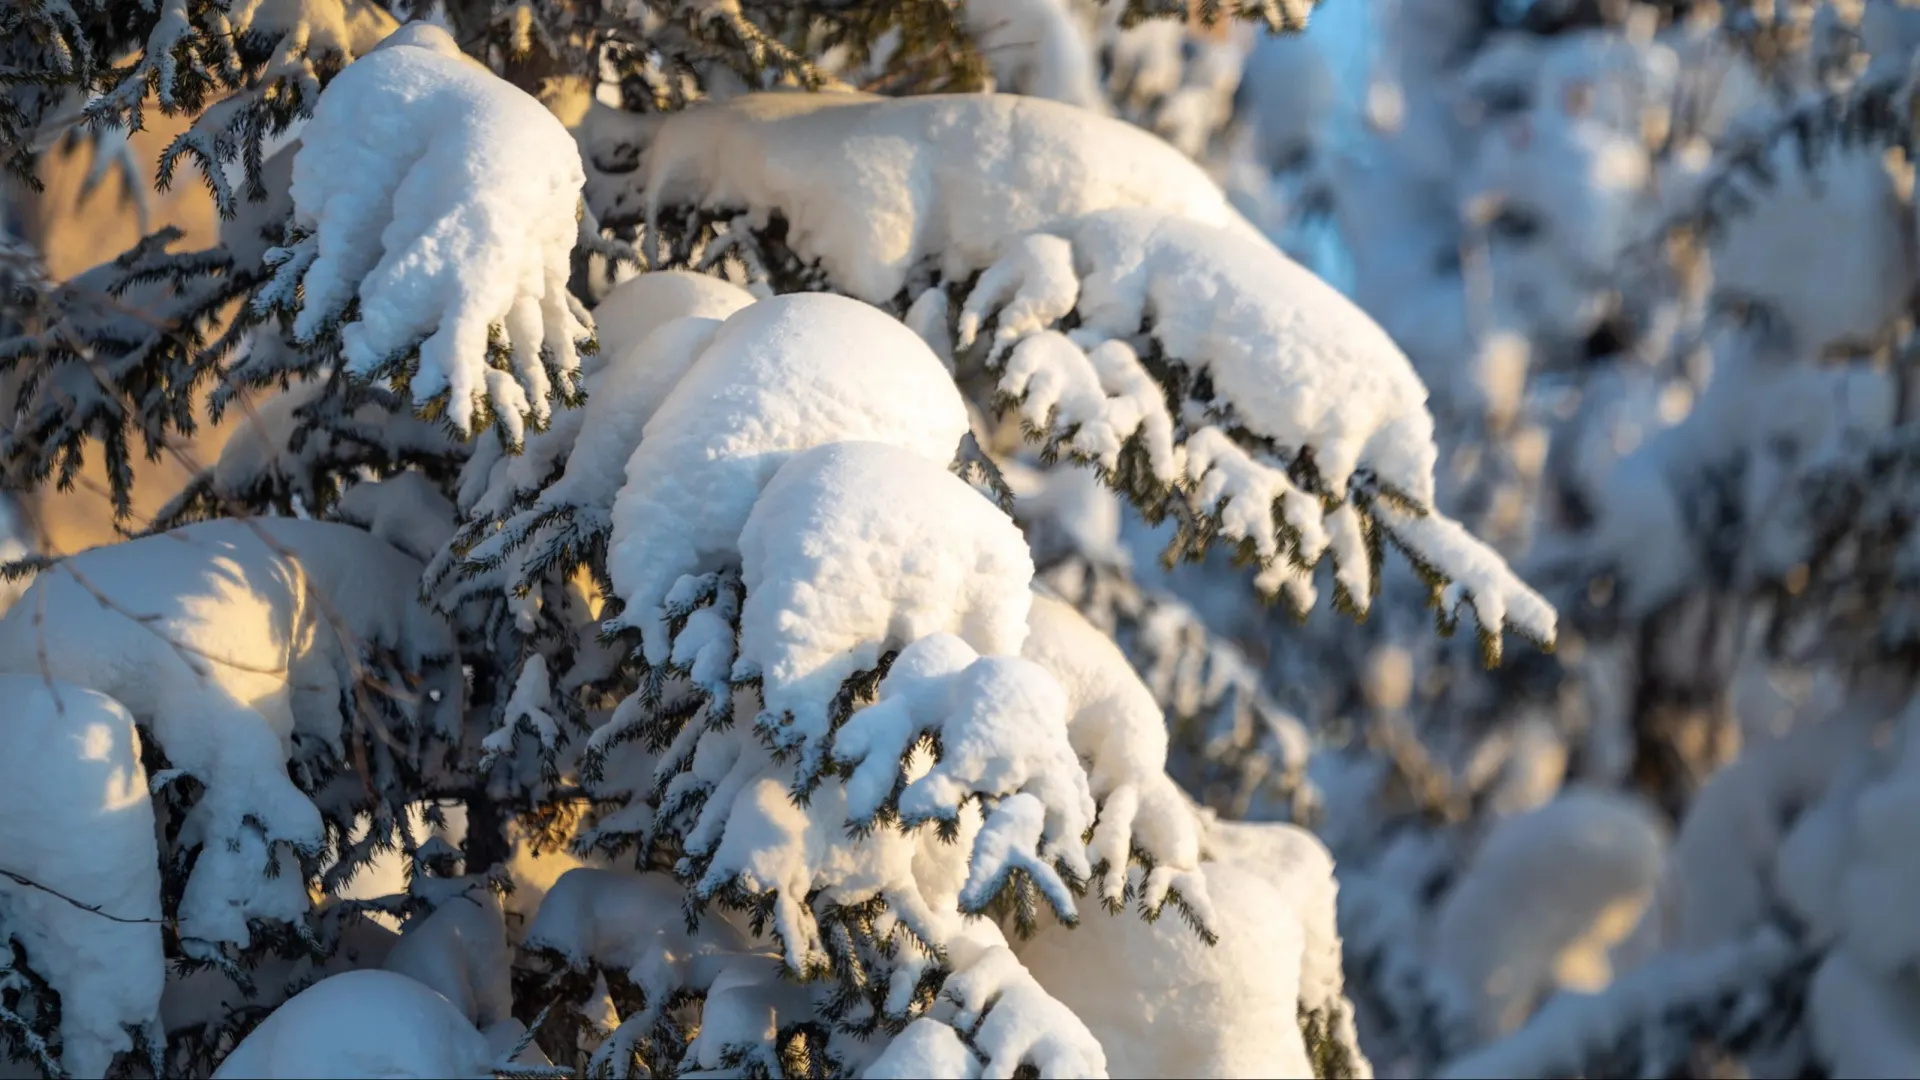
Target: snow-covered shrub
{"x":1680,"y":407}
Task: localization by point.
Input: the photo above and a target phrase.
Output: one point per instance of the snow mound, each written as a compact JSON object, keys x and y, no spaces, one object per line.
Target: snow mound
{"x":780,"y":376}
{"x":927,"y":1048}
{"x":442,"y":201}
{"x":406,"y":510}
{"x":1163,"y":1003}
{"x":642,"y":304}
{"x":634,"y":924}
{"x":1545,"y":897}
{"x":362,"y":1023}
{"x":857,"y":548}
{"x":226,"y":639}
{"x":801,"y":860}
{"x":1300,"y":869}
{"x":460,"y":952}
{"x":1813,"y":247}
{"x":75,"y":818}
{"x":577,"y":507}
{"x":878,"y":188}
{"x":630,"y":921}
{"x":1011,"y":1017}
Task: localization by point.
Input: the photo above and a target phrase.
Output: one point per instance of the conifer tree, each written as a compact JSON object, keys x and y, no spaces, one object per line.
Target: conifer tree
{"x":613,"y":490}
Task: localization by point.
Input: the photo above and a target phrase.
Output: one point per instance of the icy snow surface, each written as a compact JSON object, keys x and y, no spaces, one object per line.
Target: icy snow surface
{"x":443,"y":200}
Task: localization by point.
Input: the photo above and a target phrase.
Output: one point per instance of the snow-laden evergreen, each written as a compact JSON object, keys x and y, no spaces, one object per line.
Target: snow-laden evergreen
{"x":709,"y":702}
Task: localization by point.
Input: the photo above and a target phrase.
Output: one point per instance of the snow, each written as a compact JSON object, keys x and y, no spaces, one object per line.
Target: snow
{"x":16,"y":542}
{"x":1512,"y":933}
{"x":1299,"y":868}
{"x":1285,"y":360}
{"x":1836,"y":282}
{"x":597,"y":441}
{"x":1629,"y":1014}
{"x":1001,"y":726}
{"x":803,"y":857}
{"x":259,"y":456}
{"x":1164,"y":1003}
{"x":634,"y":924}
{"x":1479,"y":577}
{"x":525,"y":711}
{"x":1290,"y":359}
{"x":459,"y":951}
{"x":1012,"y":1018}
{"x":442,"y":200}
{"x":856,"y":548}
{"x":406,"y":510}
{"x":878,"y":188}
{"x":780,"y":376}
{"x":742,"y":1015}
{"x":1037,"y":48}
{"x":638,"y":306}
{"x":1861,"y":1017}
{"x":1114,"y":724}
{"x":927,"y":1048}
{"x":362,"y":1023}
{"x":221,"y":637}
{"x":75,"y":818}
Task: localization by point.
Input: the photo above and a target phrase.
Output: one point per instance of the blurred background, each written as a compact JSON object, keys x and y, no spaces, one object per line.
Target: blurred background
{"x":1656,"y":264}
